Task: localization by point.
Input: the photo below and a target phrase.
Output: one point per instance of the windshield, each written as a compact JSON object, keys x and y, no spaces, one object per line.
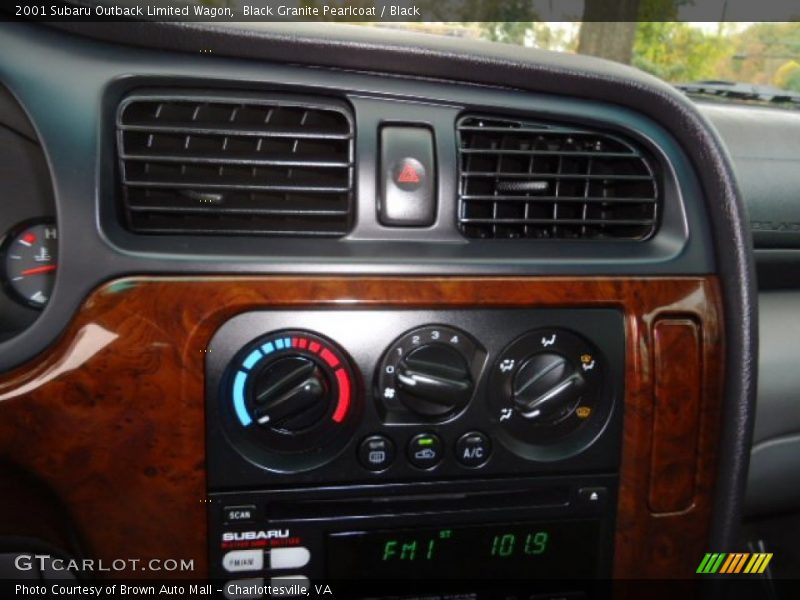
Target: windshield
{"x":766,"y":55}
{"x":735,"y":58}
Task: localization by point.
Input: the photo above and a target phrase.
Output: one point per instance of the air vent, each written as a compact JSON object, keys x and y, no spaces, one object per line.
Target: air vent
{"x":523,"y":179}
{"x":256,"y":165}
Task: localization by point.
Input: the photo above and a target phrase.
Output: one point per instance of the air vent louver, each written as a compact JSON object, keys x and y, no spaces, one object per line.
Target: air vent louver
{"x":523,"y":179}
{"x":212,"y":164}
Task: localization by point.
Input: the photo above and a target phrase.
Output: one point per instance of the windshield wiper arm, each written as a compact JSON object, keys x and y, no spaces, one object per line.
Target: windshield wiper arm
{"x":740,"y":91}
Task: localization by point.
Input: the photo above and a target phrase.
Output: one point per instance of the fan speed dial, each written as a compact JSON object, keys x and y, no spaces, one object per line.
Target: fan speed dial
{"x":428,"y":374}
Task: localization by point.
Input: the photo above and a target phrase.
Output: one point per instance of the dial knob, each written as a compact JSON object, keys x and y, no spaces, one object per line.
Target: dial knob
{"x":434,"y":380}
{"x":290,"y":400}
{"x":290,"y":394}
{"x":547,"y":388}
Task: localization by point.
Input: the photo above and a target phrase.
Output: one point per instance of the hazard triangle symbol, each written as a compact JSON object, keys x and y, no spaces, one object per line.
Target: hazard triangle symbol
{"x":408,"y":174}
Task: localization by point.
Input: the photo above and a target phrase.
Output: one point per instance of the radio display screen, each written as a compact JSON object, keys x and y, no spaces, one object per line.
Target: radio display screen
{"x":551,"y":549}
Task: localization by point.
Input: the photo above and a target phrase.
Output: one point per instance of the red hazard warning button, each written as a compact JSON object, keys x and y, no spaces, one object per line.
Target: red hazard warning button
{"x":411,"y":172}
{"x":407,"y":188}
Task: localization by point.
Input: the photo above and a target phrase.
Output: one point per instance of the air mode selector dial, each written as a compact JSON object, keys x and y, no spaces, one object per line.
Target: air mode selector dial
{"x":547,"y":388}
{"x":550,"y":397}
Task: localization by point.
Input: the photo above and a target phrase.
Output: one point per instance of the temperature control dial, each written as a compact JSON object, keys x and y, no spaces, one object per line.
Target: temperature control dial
{"x":550,"y":398}
{"x":290,"y":394}
{"x":428,"y":374}
{"x":290,"y":401}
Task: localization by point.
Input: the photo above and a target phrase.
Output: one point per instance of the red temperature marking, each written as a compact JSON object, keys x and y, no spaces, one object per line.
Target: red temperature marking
{"x":314,"y":347}
{"x":29,"y":237}
{"x":37,"y":270}
{"x":329,"y":358}
{"x":294,"y":342}
{"x":344,"y":396}
{"x":303,"y":343}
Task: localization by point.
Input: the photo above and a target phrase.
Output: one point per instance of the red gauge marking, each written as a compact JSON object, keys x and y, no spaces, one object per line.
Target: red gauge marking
{"x":344,"y":396}
{"x":38,"y":270}
{"x":294,"y":342}
{"x":29,"y":237}
{"x":329,"y":358}
{"x":303,"y":342}
{"x":314,"y":347}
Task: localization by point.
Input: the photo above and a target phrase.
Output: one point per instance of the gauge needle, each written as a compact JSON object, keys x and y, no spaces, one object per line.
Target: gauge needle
{"x":38,"y":270}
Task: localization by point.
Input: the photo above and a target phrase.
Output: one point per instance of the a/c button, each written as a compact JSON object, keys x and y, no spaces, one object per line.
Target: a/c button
{"x":473,"y":449}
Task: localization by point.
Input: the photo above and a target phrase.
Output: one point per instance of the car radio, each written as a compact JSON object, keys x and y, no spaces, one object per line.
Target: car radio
{"x":438,"y":445}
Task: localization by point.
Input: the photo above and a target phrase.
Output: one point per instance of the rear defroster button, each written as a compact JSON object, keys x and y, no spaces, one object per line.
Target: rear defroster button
{"x":376,"y":453}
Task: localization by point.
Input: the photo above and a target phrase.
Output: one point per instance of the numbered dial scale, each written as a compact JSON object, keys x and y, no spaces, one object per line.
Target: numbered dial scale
{"x":428,"y":374}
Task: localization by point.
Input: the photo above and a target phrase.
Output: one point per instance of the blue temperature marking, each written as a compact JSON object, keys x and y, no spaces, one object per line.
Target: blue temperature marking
{"x":268,"y":348}
{"x":279,"y":344}
{"x":238,"y":398}
{"x":252,"y":359}
{"x":287,"y":342}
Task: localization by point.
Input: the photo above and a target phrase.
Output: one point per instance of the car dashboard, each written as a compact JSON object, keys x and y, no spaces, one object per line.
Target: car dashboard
{"x":311,"y":306}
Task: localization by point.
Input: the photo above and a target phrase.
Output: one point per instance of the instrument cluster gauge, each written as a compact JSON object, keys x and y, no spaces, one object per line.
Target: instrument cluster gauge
{"x":29,"y":262}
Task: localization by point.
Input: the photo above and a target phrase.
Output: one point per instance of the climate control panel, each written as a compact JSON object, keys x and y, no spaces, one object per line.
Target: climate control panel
{"x":343,"y":396}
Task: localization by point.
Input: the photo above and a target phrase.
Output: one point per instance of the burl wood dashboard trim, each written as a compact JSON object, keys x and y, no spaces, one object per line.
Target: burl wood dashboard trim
{"x":111,"y":418}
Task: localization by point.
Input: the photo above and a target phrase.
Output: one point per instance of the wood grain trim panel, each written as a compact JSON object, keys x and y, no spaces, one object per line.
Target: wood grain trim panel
{"x":111,"y":417}
{"x":677,"y":373}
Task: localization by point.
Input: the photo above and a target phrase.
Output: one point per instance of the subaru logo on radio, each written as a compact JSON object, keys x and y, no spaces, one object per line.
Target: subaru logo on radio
{"x":239,"y":536}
